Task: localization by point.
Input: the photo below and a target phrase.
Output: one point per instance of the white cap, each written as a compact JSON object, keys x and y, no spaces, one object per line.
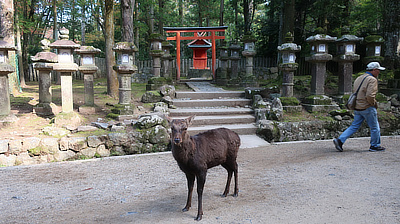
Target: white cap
{"x":374,"y":65}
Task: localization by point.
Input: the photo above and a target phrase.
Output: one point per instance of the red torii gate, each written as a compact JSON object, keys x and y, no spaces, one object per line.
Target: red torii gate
{"x":195,"y":30}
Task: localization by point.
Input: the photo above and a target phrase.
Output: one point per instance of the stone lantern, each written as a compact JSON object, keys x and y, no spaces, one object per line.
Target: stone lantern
{"x":167,"y":59}
{"x":249,"y":52}
{"x":88,"y":68}
{"x":234,"y":57}
{"x":346,"y":50}
{"x":44,"y":62}
{"x":221,"y":78}
{"x":5,"y":69}
{"x":66,"y":67}
{"x":319,"y":57}
{"x":374,"y":49}
{"x":156,"y":52}
{"x":125,"y":68}
{"x":288,"y":64}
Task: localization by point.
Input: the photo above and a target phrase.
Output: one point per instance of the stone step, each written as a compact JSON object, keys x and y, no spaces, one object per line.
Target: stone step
{"x":212,"y":103}
{"x":241,"y":129}
{"x":209,"y":95}
{"x":214,"y":120}
{"x":210,"y":111}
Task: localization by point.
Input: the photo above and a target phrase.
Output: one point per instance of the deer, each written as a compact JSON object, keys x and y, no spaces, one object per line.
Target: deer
{"x":196,"y":154}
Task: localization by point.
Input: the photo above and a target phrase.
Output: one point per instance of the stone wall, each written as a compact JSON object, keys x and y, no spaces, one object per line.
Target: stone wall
{"x":148,"y":134}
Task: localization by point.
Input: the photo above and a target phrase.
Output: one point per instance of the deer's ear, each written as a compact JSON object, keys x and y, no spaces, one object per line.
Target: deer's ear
{"x":190,"y":119}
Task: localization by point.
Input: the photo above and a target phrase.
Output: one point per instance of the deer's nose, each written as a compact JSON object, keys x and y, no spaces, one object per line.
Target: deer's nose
{"x":177,"y":140}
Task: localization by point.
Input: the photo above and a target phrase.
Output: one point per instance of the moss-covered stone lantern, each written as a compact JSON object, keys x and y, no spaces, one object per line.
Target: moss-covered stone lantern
{"x":88,"y":68}
{"x":373,"y":49}
{"x":288,"y":64}
{"x":167,"y":59}
{"x":66,"y":67}
{"x":234,"y":57}
{"x":5,"y":69}
{"x":319,"y":56}
{"x":125,"y":68}
{"x":43,"y":62}
{"x":222,"y":72}
{"x":346,"y":55}
{"x":249,"y":52}
{"x":156,"y":52}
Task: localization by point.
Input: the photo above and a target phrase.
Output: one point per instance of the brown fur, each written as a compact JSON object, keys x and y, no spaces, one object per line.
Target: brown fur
{"x":195,"y":154}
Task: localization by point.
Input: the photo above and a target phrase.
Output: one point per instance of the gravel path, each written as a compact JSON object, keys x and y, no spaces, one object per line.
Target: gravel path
{"x":301,"y":182}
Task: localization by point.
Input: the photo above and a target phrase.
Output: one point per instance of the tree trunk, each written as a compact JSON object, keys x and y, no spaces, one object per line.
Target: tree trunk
{"x":246,"y":15}
{"x":83,"y":25}
{"x":181,"y":10}
{"x":288,"y":19}
{"x":20,"y":65}
{"x":161,"y":16}
{"x":112,"y":79}
{"x":391,"y":23}
{"x":127,"y":20}
{"x":151,"y":22}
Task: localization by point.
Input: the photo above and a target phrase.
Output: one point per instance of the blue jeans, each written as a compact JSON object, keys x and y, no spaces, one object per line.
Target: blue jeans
{"x":371,"y":116}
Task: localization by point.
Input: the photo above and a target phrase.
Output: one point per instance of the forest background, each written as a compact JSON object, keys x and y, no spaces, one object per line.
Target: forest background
{"x":102,"y":23}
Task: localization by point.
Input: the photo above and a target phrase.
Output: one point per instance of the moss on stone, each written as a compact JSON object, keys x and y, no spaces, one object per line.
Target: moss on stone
{"x":289,"y":101}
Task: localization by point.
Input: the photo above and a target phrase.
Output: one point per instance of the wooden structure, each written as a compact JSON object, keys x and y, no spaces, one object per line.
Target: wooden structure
{"x":200,"y":48}
{"x":195,"y":30}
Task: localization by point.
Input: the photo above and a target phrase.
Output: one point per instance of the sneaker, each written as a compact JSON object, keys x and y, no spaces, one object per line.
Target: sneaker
{"x":376,"y":149}
{"x":338,"y":144}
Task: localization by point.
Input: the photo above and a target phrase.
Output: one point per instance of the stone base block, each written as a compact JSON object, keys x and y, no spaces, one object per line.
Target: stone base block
{"x":87,"y":109}
{"x":320,"y":108}
{"x":293,"y":109}
{"x":200,"y":73}
{"x":46,"y":109}
{"x":7,"y":120}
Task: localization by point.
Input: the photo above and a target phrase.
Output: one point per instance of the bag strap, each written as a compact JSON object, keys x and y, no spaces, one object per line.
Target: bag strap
{"x":361,"y":84}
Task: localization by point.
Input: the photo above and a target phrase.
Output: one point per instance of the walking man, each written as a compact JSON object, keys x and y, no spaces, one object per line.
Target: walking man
{"x":366,"y":106}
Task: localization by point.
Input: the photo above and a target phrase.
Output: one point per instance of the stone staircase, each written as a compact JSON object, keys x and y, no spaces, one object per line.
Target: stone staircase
{"x":215,"y":109}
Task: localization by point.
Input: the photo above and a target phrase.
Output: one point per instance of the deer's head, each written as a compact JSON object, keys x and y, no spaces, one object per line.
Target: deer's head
{"x":179,"y":129}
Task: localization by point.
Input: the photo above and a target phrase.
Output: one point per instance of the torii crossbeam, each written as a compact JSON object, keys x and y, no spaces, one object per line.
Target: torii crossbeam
{"x":195,"y":30}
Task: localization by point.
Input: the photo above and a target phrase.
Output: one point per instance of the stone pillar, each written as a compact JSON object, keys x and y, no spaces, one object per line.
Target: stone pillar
{"x":222,"y":74}
{"x":167,"y":58}
{"x":346,"y":49}
{"x":5,"y":69}
{"x":156,"y":52}
{"x":319,"y":57}
{"x":125,"y":68}
{"x":88,"y":68}
{"x":235,"y":57}
{"x":44,"y":62}
{"x":65,"y":66}
{"x":288,"y":64}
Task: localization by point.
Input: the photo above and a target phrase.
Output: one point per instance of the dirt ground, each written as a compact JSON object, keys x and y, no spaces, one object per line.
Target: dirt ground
{"x":300,"y":182}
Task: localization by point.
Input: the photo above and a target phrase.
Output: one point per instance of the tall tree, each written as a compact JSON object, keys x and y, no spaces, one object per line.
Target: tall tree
{"x":127,"y":20}
{"x":19,"y":47}
{"x":391,"y":25}
{"x":112,"y":79}
{"x":287,"y":19}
